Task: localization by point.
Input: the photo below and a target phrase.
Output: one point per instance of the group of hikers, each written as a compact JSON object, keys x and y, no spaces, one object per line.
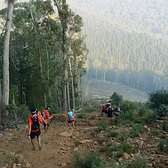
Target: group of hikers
{"x":41,"y":117}
{"x":109,"y":111}
{"x":36,"y":118}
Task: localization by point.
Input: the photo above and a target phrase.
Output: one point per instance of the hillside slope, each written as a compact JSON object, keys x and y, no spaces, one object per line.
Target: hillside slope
{"x":99,"y":89}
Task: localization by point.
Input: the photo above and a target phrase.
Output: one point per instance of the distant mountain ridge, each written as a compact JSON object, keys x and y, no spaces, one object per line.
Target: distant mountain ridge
{"x":149,"y":16}
{"x":127,"y":41}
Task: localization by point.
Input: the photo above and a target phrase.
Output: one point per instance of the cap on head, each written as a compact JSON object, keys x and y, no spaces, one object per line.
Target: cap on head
{"x":48,"y":108}
{"x":33,"y":111}
{"x":73,"y":109}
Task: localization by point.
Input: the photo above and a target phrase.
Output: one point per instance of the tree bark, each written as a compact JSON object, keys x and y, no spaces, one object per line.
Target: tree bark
{"x":5,"y":97}
{"x":72,"y":85}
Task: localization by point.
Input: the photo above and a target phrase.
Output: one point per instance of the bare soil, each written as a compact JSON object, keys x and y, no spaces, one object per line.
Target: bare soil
{"x":61,"y":143}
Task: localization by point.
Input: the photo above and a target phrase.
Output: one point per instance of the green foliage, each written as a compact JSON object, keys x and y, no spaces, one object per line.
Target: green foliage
{"x":126,"y":147}
{"x":88,"y":109}
{"x":139,"y":163}
{"x":157,"y":98}
{"x":103,"y":124}
{"x":92,"y":117}
{"x":136,"y":128}
{"x":36,"y":49}
{"x":81,"y":115}
{"x":162,"y":111}
{"x":18,"y":113}
{"x":111,"y":146}
{"x":116,"y":99}
{"x":165,"y":125}
{"x":112,"y":134}
{"x":163,"y":144}
{"x":90,"y":160}
{"x":155,"y":132}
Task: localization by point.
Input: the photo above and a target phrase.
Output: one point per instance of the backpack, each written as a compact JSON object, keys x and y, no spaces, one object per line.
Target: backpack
{"x":70,"y":115}
{"x":43,"y":113}
{"x":36,"y":124}
{"x":110,"y":112}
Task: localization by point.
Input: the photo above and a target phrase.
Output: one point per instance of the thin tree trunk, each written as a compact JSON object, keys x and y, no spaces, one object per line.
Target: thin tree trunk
{"x":5,"y":97}
{"x":72,"y":85}
{"x":64,"y":54}
{"x":68,"y":95}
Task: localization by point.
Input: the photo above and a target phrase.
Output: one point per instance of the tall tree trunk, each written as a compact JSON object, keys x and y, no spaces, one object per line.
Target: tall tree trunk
{"x":5,"y":97}
{"x":72,"y":85}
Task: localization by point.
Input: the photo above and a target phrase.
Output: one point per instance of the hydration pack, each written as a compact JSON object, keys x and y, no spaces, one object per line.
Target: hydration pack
{"x":70,"y":115}
{"x":36,"y":124}
{"x":43,"y":113}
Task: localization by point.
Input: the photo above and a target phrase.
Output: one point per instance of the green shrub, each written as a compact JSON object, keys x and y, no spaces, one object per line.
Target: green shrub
{"x":88,"y":109}
{"x":149,"y":117}
{"x":112,"y":134}
{"x":103,"y":124}
{"x":76,"y":142}
{"x":163,"y":144}
{"x":119,"y":153}
{"x":18,"y":113}
{"x":136,"y":128}
{"x":92,"y":117}
{"x":155,"y":132}
{"x":116,"y":99}
{"x":127,"y":148}
{"x":165,"y":125}
{"x":158,"y":98}
{"x":139,"y":163}
{"x":81,"y":115}
{"x":90,"y":160}
{"x":111,"y":146}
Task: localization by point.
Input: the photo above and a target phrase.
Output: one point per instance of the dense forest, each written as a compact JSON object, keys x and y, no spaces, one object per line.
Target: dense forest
{"x":46,"y":57}
{"x":127,"y":39}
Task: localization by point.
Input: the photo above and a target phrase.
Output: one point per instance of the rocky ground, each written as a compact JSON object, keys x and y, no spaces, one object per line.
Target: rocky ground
{"x":61,"y":143}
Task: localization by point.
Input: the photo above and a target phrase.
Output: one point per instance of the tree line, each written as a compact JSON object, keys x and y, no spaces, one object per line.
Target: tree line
{"x":47,"y":55}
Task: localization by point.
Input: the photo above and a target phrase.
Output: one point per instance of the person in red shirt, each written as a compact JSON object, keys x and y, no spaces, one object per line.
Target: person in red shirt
{"x":103,"y":109}
{"x":34,"y":128}
{"x":45,"y":114}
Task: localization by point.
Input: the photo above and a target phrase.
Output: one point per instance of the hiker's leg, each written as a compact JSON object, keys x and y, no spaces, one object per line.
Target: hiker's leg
{"x":39,"y":141}
{"x":32,"y":142}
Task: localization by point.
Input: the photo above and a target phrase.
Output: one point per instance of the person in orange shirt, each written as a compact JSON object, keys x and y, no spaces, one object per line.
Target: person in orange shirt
{"x":38,"y":113}
{"x":45,"y":114}
{"x":34,"y":128}
{"x":71,"y":118}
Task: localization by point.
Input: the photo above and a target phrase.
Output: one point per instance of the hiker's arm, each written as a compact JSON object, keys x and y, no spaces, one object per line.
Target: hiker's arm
{"x":50,"y":117}
{"x":29,"y":130}
{"x":43,"y":119}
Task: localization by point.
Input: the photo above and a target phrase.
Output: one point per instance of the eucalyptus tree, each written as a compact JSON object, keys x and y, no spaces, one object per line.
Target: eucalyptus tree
{"x":5,"y":96}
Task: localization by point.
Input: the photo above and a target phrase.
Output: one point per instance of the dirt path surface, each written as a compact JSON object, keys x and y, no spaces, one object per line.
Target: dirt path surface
{"x":61,"y":143}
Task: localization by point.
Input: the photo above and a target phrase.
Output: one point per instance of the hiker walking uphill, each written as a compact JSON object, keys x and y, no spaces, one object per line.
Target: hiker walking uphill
{"x":34,"y":128}
{"x":103,"y":109}
{"x":45,"y":114}
{"x":71,"y":118}
{"x":110,"y":112}
{"x":38,"y":113}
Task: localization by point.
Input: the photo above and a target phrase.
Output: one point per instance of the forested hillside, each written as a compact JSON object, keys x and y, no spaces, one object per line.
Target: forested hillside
{"x":126,"y":35}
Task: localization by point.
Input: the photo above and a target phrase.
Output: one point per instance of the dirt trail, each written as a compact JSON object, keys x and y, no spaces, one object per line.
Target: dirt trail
{"x":61,"y":143}
{"x":58,"y":146}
